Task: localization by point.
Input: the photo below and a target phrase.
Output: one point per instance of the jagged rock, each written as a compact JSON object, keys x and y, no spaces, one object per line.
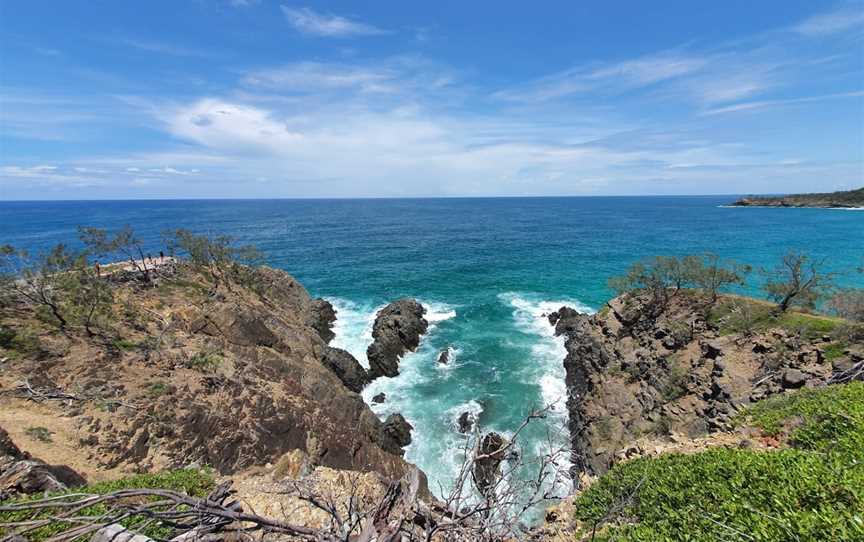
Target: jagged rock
{"x":397,"y":329}
{"x":623,"y":384}
{"x":22,"y":474}
{"x":346,"y":367}
{"x":465,"y":422}
{"x":709,"y":350}
{"x":322,"y":317}
{"x":379,"y":398}
{"x":487,"y":464}
{"x":793,"y":379}
{"x":397,"y":433}
{"x":444,"y":356}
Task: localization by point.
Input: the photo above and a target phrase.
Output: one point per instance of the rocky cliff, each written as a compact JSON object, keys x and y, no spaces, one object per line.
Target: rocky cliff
{"x":183,"y":371}
{"x":640,"y":380}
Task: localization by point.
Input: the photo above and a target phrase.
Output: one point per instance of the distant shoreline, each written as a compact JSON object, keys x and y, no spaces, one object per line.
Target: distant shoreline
{"x":847,"y":199}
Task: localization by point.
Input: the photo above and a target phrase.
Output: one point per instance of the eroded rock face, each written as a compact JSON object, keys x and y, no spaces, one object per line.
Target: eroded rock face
{"x":22,"y":474}
{"x":322,"y":317}
{"x":347,"y":368}
{"x":487,"y":465}
{"x":397,"y":433}
{"x":244,"y":379}
{"x":631,"y":373}
{"x":397,"y":330}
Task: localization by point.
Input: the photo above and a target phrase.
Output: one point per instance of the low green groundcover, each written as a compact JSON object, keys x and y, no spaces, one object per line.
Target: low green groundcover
{"x":193,"y":482}
{"x":813,"y":491}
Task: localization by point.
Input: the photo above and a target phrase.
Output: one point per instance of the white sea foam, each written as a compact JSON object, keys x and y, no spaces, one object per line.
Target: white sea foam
{"x":353,"y":327}
{"x":548,"y":352}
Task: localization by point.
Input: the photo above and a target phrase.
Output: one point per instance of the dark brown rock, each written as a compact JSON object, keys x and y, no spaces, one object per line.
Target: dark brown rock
{"x":379,"y":398}
{"x":322,"y":317}
{"x":397,"y":433}
{"x":444,"y":356}
{"x":397,"y":330}
{"x":487,"y":462}
{"x":346,"y":367}
{"x":793,"y":379}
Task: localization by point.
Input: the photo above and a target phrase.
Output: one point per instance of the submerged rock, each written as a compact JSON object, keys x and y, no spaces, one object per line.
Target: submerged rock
{"x":465,"y":422}
{"x":397,"y":330}
{"x":444,"y":356}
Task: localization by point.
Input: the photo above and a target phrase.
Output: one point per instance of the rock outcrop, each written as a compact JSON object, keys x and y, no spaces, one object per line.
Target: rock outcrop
{"x":631,"y":373}
{"x":444,"y":357}
{"x":321,"y":319}
{"x":232,"y":375}
{"x":397,"y":330}
{"x":347,"y":368}
{"x":397,"y":433}
{"x":21,"y":474}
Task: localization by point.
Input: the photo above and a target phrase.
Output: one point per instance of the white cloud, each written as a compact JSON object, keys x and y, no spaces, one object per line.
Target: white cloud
{"x":312,"y":76}
{"x":312,"y":23}
{"x":832,"y":23}
{"x":765,"y":104}
{"x":614,"y":77}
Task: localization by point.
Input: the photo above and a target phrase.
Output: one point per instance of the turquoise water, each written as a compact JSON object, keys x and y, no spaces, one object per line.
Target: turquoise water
{"x":486,"y":269}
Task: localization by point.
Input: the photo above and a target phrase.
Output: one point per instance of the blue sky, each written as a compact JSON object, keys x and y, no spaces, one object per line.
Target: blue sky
{"x":267,"y":98}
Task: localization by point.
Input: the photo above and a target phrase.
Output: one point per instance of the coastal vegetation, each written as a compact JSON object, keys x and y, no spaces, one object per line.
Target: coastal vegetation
{"x":813,"y":490}
{"x":204,"y":357}
{"x":841,"y":199}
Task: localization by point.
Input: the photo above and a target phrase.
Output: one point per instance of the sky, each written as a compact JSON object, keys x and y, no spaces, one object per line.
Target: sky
{"x":269,"y":98}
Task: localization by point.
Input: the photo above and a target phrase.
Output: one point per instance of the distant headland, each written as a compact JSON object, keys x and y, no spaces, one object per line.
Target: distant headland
{"x":844,"y":199}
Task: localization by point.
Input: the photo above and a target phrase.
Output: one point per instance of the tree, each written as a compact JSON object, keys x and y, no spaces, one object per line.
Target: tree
{"x":848,"y":303}
{"x":797,"y":280}
{"x":123,"y":242}
{"x":217,"y":255}
{"x":41,"y":282}
{"x":711,"y":275}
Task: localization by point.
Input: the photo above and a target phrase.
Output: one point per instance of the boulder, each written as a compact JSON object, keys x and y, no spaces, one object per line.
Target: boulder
{"x":397,"y":433}
{"x":487,"y":462}
{"x":380,"y":398}
{"x":346,"y":367}
{"x":397,"y":330}
{"x":793,"y":379}
{"x":22,"y":474}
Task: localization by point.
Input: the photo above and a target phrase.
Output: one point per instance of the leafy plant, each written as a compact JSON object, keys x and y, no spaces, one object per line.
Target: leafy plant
{"x":42,"y":434}
{"x":813,"y":491}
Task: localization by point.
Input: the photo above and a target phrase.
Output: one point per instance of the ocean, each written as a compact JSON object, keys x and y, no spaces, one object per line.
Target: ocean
{"x":487,"y":270}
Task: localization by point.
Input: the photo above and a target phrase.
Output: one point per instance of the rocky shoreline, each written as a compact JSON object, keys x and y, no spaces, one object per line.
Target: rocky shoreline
{"x":852,"y":199}
{"x":633,"y":376}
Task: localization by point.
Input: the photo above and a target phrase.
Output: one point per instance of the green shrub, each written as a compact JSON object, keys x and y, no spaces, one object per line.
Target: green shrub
{"x":42,"y":434}
{"x":814,"y":491}
{"x":189,"y":481}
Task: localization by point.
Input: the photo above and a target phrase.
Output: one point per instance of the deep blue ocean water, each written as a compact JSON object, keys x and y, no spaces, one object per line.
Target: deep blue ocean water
{"x":488,"y":270}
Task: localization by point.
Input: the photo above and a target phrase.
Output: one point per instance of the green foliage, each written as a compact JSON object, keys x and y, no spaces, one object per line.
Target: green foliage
{"x":663,"y":276}
{"x":814,"y":491}
{"x":827,"y":418}
{"x":748,"y":316}
{"x":42,"y":434}
{"x":123,"y":344}
{"x":676,"y":383}
{"x":123,"y":243}
{"x":155,"y":389}
{"x":797,"y":280}
{"x":205,"y":360}
{"x":192,"y":482}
